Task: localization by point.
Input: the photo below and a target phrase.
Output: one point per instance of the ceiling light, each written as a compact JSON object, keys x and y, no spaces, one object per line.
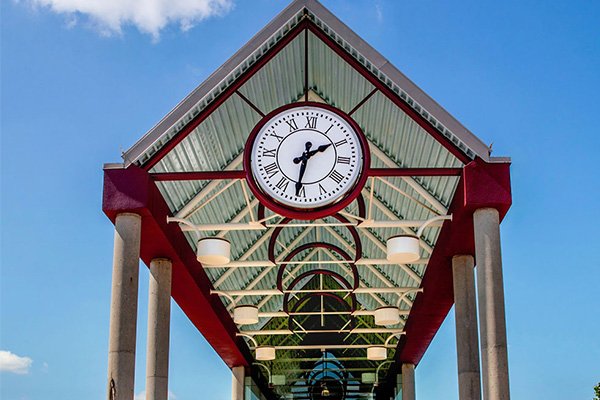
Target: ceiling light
{"x":213,"y":251}
{"x":265,"y":353}
{"x":245,"y":315}
{"x":403,"y":249}
{"x":376,"y":353}
{"x":387,"y":316}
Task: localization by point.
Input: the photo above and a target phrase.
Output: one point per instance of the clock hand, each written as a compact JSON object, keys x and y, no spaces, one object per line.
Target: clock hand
{"x":321,"y":149}
{"x":299,"y":182}
{"x":304,"y":159}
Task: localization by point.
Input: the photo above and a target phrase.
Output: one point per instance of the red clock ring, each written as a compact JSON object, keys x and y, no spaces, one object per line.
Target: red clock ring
{"x":307,"y":213}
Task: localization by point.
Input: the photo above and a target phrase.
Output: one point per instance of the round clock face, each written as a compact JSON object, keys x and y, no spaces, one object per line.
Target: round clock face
{"x":306,"y":157}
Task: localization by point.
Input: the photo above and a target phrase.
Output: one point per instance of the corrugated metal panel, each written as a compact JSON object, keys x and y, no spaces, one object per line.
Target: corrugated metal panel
{"x":333,"y":79}
{"x":280,"y":81}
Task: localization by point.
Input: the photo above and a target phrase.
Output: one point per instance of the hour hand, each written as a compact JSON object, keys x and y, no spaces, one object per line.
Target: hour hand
{"x":323,"y":147}
{"x":319,"y":149}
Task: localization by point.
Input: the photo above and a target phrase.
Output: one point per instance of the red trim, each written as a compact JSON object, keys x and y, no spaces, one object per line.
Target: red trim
{"x":132,"y":190}
{"x":418,"y":118}
{"x":297,"y":213}
{"x":414,"y":171}
{"x":175,"y":140}
{"x":363,"y":101}
{"x":197,"y":175}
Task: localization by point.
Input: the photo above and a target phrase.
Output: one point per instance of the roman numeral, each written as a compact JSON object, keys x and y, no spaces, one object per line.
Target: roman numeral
{"x":280,"y":138}
{"x":321,"y":190}
{"x":302,"y":192}
{"x":336,"y":176}
{"x":270,"y":153}
{"x":271,"y":169}
{"x":282,"y":184}
{"x":311,"y":122}
{"x":343,"y":160}
{"x":292,"y":124}
{"x":341,"y":142}
{"x":328,"y":129}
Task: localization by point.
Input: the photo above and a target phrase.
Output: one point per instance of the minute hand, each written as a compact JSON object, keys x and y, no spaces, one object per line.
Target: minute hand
{"x":299,"y":182}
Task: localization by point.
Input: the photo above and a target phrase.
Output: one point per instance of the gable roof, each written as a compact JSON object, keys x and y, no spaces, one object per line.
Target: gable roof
{"x":271,"y":34}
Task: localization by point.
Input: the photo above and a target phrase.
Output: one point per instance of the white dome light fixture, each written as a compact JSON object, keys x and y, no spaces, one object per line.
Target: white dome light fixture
{"x":403,"y":249}
{"x":265,"y":353}
{"x":376,"y":353}
{"x":245,"y":315}
{"x":387,"y":316}
{"x":213,"y":251}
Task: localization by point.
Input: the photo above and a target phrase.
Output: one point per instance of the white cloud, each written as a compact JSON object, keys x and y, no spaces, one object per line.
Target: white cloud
{"x":10,"y":362}
{"x":142,"y":396}
{"x":379,"y":12}
{"x":149,"y":16}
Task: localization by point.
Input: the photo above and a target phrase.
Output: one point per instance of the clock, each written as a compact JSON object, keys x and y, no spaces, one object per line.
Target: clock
{"x":306,"y":160}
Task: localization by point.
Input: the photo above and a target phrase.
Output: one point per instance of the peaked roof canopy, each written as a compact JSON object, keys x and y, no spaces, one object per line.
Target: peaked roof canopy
{"x":316,"y":284}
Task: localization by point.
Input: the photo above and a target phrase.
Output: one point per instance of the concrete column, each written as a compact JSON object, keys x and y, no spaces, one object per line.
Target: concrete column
{"x":159,"y":317}
{"x":490,"y":287}
{"x":467,"y":343}
{"x":123,"y":307}
{"x":237,"y":383}
{"x":408,"y":382}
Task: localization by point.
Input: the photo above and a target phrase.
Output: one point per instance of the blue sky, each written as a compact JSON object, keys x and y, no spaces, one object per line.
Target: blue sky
{"x":77,"y":88}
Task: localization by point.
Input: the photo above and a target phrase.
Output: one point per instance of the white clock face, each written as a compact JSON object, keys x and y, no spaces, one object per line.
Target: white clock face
{"x":306,"y":157}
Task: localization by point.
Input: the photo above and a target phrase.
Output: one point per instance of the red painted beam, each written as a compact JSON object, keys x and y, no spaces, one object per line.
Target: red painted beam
{"x":132,"y":190}
{"x":211,"y":175}
{"x":197,"y":175}
{"x":415,"y":172}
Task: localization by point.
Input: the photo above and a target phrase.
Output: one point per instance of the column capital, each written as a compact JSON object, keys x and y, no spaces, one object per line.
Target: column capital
{"x":487,"y":185}
{"x":161,"y":260}
{"x":465,"y":257}
{"x":126,"y":190}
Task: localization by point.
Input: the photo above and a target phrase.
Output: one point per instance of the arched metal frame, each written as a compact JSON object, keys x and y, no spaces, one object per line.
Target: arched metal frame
{"x":340,"y":218}
{"x":313,"y":245}
{"x":341,"y":279}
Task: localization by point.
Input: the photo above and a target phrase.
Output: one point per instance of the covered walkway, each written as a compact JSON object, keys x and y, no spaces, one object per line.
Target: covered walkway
{"x":311,"y":282}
